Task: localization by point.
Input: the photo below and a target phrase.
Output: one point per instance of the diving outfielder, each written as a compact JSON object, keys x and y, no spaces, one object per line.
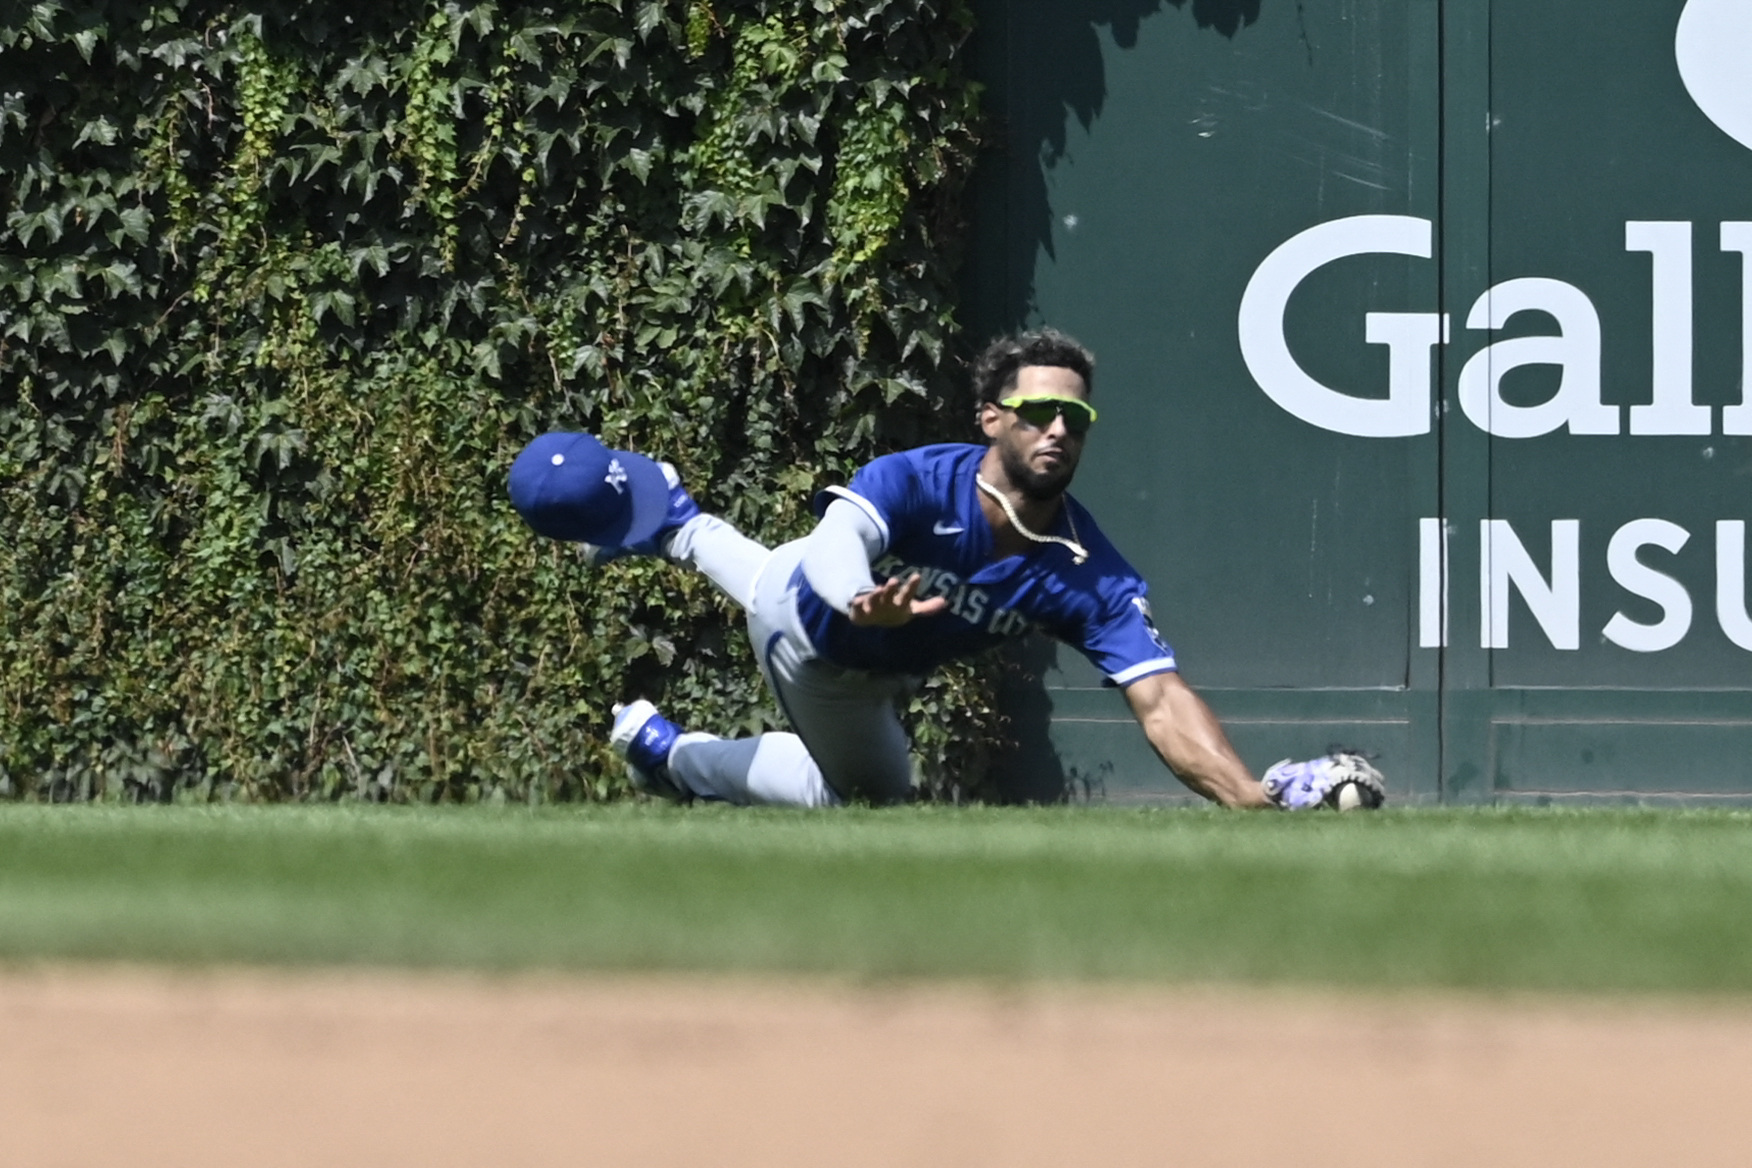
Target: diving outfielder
{"x":928,"y":555}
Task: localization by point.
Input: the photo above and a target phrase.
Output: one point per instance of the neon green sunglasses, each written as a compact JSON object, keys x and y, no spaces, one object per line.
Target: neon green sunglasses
{"x":1039,"y":412}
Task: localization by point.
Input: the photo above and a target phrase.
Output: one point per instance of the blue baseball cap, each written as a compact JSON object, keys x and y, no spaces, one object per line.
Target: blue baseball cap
{"x":570,"y":486}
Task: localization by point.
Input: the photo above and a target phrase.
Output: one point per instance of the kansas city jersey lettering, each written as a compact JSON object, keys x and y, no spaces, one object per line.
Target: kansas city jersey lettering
{"x":970,"y":603}
{"x":926,"y":506}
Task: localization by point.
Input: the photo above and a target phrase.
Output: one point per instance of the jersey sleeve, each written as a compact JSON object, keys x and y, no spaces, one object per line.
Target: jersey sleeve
{"x":1120,"y":637}
{"x":887,"y":490}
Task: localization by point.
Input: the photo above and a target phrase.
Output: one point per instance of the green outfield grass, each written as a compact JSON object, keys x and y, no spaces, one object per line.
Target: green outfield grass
{"x":1595,"y":901}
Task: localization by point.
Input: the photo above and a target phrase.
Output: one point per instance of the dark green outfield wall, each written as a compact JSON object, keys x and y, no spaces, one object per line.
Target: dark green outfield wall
{"x":1422,"y":338}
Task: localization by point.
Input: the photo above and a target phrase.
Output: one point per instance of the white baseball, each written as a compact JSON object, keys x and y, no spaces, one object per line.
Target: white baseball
{"x":1348,"y":797}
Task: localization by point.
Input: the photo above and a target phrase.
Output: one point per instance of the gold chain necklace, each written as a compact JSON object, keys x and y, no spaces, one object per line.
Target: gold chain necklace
{"x":1078,"y":552}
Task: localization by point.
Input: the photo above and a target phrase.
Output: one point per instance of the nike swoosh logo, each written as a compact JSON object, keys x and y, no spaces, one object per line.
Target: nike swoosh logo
{"x":942,"y":528}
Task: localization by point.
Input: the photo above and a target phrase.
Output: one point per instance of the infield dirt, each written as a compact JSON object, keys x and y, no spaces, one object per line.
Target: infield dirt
{"x":102,"y":1067}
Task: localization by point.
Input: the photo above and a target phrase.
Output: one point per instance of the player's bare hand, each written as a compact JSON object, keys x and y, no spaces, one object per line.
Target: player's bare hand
{"x":893,"y":603}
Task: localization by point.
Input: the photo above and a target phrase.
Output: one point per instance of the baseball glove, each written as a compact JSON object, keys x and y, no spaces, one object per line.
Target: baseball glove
{"x":1341,"y":780}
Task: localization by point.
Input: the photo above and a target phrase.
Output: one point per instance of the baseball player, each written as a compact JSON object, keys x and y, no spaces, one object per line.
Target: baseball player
{"x":927,"y":555}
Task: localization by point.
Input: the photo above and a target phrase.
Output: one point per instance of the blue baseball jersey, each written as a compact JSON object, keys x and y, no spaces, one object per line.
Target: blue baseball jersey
{"x":926,"y":505}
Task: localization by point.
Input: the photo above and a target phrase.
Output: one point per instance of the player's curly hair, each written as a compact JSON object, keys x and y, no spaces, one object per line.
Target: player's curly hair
{"x":994,"y":371}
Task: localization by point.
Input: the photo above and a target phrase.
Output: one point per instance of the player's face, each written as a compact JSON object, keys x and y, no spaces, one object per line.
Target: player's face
{"x":1038,"y":458}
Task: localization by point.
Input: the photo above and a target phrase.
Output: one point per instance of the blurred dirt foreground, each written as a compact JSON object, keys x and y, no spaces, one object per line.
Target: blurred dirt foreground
{"x":271,"y":1070}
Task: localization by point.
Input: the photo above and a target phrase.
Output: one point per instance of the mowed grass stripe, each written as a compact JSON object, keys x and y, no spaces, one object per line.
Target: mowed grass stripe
{"x":1598,"y":900}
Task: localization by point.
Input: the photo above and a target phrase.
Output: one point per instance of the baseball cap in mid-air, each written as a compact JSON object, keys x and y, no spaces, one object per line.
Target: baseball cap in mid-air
{"x":570,"y":486}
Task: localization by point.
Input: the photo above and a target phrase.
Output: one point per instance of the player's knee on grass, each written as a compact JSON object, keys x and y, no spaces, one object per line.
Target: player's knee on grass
{"x":873,"y":779}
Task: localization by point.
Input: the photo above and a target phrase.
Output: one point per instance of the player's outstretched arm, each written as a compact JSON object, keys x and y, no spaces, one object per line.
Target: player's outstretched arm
{"x":1187,"y":736}
{"x":836,"y":561}
{"x":892,"y":603}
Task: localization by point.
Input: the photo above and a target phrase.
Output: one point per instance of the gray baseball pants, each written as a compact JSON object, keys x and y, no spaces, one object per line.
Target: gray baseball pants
{"x":849,"y":743}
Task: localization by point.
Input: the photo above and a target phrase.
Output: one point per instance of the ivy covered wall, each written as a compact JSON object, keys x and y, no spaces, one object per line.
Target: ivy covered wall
{"x":285,"y":285}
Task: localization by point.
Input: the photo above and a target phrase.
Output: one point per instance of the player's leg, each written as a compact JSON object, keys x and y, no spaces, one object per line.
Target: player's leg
{"x":846,"y":718}
{"x":849,"y":745}
{"x":767,"y":769}
{"x":568,"y":486}
{"x":861,"y":748}
{"x":727,"y":557}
